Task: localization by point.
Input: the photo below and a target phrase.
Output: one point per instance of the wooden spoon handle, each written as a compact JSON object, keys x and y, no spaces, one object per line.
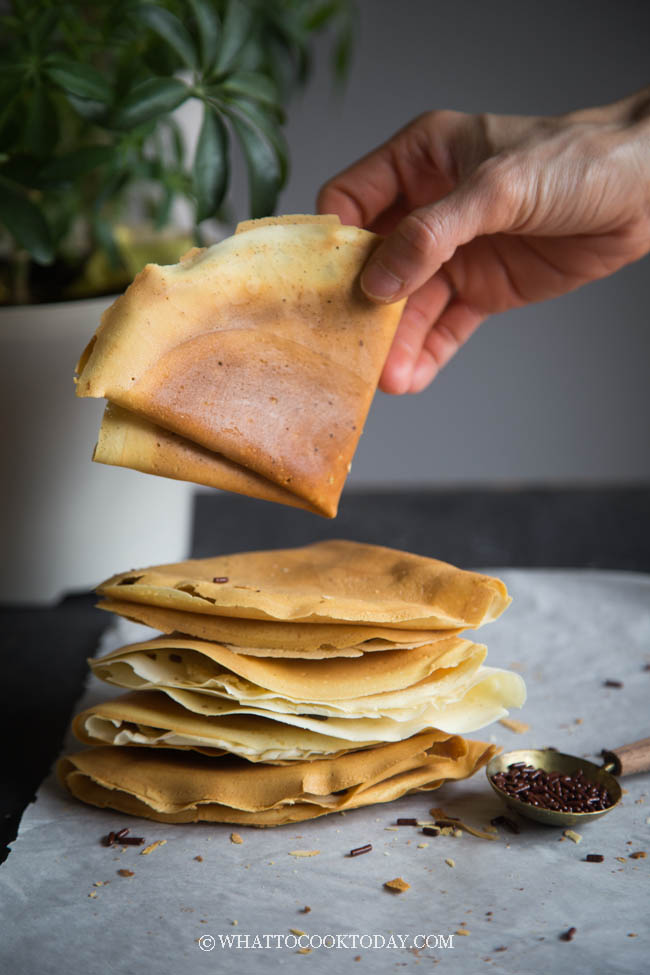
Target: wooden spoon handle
{"x":629,"y":759}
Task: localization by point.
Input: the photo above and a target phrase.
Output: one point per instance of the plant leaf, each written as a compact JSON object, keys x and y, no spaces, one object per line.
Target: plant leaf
{"x":41,"y":123}
{"x":268,"y":126}
{"x":86,"y":108}
{"x":148,"y":100}
{"x":252,"y":84}
{"x":171,"y":29}
{"x":235,"y":30}
{"x":208,"y":27}
{"x":26,"y":223}
{"x":67,"y":168}
{"x":265,"y":170}
{"x":210,"y":169}
{"x":78,"y":79}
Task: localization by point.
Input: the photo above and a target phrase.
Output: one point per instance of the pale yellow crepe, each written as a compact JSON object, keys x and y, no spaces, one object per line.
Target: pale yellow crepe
{"x":464,"y":701}
{"x":182,"y":662}
{"x":266,"y":638}
{"x":171,"y":786}
{"x":261,"y":349}
{"x":334,"y":581}
{"x":155,"y":720}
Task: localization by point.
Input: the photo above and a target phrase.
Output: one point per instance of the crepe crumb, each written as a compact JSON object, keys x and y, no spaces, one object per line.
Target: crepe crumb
{"x":234,"y":923}
{"x":304,"y":853}
{"x":126,"y":873}
{"x":639,"y":855}
{"x":422,"y":846}
{"x":572,"y":835}
{"x":152,"y":847}
{"x":450,"y":862}
{"x":297,"y":931}
{"x":397,"y":886}
{"x":304,"y":951}
{"x":199,"y":859}
{"x":461,"y":931}
{"x":93,"y":893}
{"x":357,"y":957}
{"x":100,"y":883}
{"x":235,"y":838}
{"x":519,"y":727}
{"x":306,"y":909}
{"x":621,"y":859}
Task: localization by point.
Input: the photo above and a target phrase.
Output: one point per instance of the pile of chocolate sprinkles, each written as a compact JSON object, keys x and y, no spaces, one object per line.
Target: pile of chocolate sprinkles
{"x":552,"y":790}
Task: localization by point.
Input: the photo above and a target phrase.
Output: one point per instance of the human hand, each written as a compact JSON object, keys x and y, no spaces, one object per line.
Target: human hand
{"x":487,"y":212}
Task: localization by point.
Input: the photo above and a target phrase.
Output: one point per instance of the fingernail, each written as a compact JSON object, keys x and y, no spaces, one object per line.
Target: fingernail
{"x":378,"y":282}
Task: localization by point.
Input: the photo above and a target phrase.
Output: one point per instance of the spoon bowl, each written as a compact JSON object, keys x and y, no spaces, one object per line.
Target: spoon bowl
{"x":552,"y":761}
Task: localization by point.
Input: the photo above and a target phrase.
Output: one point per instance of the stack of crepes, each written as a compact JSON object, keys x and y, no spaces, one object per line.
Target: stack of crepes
{"x":290,"y":684}
{"x":249,"y":366}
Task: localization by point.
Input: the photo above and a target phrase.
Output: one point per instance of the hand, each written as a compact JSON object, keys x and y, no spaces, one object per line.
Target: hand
{"x":486,"y":213}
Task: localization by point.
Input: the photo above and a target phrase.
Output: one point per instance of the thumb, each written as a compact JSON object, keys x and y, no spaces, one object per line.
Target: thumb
{"x":428,"y":236}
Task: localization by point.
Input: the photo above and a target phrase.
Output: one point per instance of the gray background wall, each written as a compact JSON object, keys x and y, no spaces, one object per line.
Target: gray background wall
{"x":553,"y":393}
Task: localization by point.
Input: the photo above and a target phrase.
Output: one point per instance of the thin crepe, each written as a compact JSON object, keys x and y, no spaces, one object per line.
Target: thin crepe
{"x":331,"y":582}
{"x":470,"y":700}
{"x":266,"y":638}
{"x":261,"y":349}
{"x":180,"y":662}
{"x":155,"y":720}
{"x":170,"y":786}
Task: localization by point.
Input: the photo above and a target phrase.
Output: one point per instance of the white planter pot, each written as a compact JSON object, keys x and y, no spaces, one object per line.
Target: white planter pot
{"x":66,"y":523}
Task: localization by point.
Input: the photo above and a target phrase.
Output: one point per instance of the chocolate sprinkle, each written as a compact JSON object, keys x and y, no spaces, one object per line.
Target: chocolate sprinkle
{"x":594,"y":858}
{"x":361,"y":849}
{"x":568,"y":935}
{"x":552,"y":790}
{"x":220,"y":579}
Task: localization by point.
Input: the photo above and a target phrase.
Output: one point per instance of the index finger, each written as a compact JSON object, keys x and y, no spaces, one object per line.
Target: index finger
{"x":362,"y":191}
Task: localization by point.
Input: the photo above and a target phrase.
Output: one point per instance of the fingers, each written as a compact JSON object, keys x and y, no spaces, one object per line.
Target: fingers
{"x":456,"y":324}
{"x":363,"y":191}
{"x":429,"y":236}
{"x":422,"y":310}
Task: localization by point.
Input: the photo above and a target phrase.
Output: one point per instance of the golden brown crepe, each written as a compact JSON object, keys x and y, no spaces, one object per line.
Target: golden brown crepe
{"x":197,"y":664}
{"x":171,"y":786}
{"x":261,"y":350}
{"x":274,"y":638}
{"x":329,"y":582}
{"x":155,"y":720}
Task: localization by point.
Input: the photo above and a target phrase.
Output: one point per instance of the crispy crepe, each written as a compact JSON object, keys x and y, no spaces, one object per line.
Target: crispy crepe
{"x":181,"y":787}
{"x":266,"y":638}
{"x":180,"y":662}
{"x":328,"y":582}
{"x":468,"y":702}
{"x":261,"y":350}
{"x":155,"y":720}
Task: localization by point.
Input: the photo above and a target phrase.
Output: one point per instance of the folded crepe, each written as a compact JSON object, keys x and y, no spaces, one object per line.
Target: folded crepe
{"x":172,"y":661}
{"x":378,"y":697}
{"x":482,"y":698}
{"x":271,"y":638}
{"x":259,"y":357}
{"x":180,"y":787}
{"x":327,"y":582}
{"x":155,"y":720}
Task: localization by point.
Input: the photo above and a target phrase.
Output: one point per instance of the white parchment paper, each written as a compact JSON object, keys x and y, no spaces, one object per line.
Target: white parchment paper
{"x":65,"y":910}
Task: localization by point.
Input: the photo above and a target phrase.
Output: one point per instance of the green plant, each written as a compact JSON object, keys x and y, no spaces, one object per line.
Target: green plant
{"x":87,"y":130}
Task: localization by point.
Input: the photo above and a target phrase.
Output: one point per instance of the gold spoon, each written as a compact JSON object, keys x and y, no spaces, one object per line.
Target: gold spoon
{"x":626,"y":760}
